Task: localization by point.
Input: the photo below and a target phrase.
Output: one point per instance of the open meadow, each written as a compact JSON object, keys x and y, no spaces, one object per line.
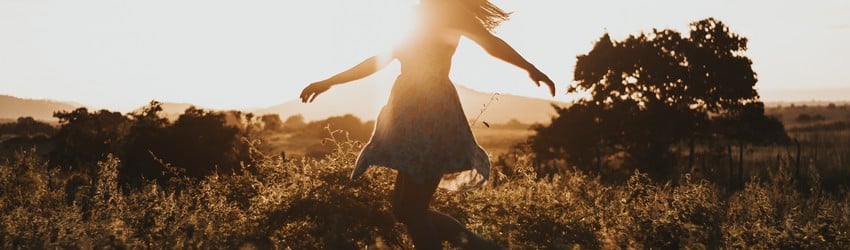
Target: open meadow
{"x":303,"y":203}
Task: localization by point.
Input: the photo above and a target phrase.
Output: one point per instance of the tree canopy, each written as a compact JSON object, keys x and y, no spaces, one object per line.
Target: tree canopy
{"x":198,"y":142}
{"x":652,"y":90}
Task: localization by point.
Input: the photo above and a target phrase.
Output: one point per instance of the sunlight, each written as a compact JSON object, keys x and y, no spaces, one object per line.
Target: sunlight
{"x":390,"y":22}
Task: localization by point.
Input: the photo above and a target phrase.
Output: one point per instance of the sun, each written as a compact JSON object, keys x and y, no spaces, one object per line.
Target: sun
{"x":392,"y":21}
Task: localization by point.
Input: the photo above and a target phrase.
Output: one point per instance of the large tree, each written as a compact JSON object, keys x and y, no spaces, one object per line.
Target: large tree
{"x":648,"y":92}
{"x":85,"y":138}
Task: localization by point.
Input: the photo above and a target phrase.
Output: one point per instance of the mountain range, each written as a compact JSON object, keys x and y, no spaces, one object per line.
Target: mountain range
{"x":483,"y":106}
{"x":480,"y":106}
{"x":12,"y":107}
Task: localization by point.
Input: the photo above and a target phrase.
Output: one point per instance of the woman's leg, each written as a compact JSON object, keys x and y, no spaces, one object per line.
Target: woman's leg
{"x":449,"y":229}
{"x":429,"y":228}
{"x":410,"y":205}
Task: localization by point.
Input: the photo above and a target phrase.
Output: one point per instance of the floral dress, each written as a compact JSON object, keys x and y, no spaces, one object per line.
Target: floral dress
{"x":422,"y":130}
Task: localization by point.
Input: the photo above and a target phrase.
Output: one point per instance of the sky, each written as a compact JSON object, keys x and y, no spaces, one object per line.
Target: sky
{"x":228,"y":54}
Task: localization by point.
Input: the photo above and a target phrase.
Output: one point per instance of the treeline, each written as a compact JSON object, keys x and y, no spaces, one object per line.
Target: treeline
{"x":196,"y":144}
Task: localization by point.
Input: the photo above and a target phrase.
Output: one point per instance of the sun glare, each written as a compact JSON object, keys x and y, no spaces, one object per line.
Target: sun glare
{"x":395,"y":20}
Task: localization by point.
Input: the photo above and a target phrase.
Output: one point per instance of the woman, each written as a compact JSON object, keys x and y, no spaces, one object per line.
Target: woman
{"x":422,"y":131}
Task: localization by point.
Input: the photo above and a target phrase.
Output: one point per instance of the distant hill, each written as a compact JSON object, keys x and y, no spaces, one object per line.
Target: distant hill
{"x":367,"y":105}
{"x":171,"y":110}
{"x":812,"y":97}
{"x":13,"y":107}
{"x":176,"y":108}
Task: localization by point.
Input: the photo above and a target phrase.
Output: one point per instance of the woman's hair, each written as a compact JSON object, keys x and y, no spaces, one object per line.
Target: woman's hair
{"x":486,"y":12}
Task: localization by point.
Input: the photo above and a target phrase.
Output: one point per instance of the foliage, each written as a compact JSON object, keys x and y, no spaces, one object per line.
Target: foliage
{"x":24,"y":133}
{"x":749,"y":124}
{"x":652,"y":91}
{"x":196,"y":143}
{"x":84,"y":138}
{"x":833,"y":126}
{"x":805,"y":118}
{"x":272,"y":122}
{"x":351,"y":127}
{"x":293,"y":123}
{"x":26,"y":127}
{"x":313,"y":204}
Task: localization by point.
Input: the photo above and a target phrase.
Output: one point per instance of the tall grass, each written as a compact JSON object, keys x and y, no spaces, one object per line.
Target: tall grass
{"x":313,"y":204}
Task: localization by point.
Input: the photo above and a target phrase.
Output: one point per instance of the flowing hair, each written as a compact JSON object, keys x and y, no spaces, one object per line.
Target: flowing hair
{"x":486,"y":12}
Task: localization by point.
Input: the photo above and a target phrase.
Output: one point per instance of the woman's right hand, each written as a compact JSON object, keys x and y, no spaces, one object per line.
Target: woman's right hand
{"x":313,"y":90}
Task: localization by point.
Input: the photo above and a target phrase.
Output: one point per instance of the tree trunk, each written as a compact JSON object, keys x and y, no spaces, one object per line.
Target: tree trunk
{"x":691,"y":156}
{"x":741,"y":163}
{"x":731,"y":166}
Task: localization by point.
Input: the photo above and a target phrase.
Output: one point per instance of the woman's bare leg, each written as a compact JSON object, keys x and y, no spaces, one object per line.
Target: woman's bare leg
{"x":429,"y":228}
{"x":410,"y":205}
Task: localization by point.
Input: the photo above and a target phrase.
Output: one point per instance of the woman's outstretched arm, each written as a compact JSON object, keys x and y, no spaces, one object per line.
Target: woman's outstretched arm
{"x":359,"y":71}
{"x":498,"y":48}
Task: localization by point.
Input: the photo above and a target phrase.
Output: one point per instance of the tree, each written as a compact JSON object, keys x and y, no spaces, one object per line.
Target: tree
{"x":24,"y":134}
{"x":26,"y":127}
{"x":294,"y":123}
{"x":748,"y":125}
{"x":271,"y":122}
{"x":649,"y":92}
{"x":85,"y":138}
{"x":146,"y":134}
{"x":200,"y":141}
{"x":340,"y":127}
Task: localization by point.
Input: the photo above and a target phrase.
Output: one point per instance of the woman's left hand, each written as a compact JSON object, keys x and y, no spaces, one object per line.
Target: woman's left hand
{"x":313,"y":90}
{"x":539,"y":77}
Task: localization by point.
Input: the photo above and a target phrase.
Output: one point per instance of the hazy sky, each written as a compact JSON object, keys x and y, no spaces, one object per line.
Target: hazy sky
{"x":120,"y":54}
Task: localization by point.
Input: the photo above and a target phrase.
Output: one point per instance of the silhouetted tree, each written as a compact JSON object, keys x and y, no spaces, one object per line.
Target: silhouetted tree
{"x":272,"y":122}
{"x":146,"y":135}
{"x":560,"y":139}
{"x":350,"y":126}
{"x":200,"y":141}
{"x":294,"y":123}
{"x":749,"y":125}
{"x":805,"y":118}
{"x":25,"y":133}
{"x":26,"y":127}
{"x":85,"y":138}
{"x":647,"y":93}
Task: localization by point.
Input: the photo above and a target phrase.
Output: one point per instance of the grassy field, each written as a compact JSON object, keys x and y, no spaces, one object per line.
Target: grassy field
{"x":308,"y":203}
{"x":497,"y":141}
{"x":312,"y":204}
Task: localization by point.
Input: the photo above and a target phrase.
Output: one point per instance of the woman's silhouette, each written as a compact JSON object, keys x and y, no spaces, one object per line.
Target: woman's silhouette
{"x":422,"y":131}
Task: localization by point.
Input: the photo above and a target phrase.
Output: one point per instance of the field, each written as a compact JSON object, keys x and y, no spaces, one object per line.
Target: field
{"x":308,"y":203}
{"x":498,"y":141}
{"x":312,"y":204}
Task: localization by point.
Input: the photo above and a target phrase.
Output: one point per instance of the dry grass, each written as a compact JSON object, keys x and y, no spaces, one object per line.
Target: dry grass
{"x":312,"y":204}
